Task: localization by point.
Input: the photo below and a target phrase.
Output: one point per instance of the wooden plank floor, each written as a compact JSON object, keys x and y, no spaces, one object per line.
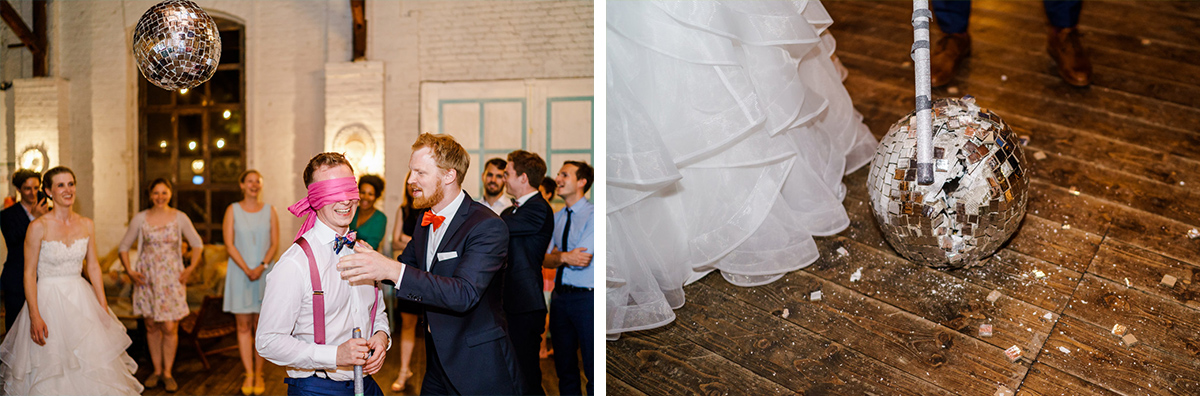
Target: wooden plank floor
{"x":1129,"y":144}
{"x":225,"y":376}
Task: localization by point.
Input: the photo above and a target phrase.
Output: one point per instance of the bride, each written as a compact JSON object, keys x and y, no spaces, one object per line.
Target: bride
{"x":65,"y":340}
{"x":728,"y":135}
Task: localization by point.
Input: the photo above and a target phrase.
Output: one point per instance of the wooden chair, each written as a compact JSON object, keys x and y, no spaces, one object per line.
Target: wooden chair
{"x":211,"y":321}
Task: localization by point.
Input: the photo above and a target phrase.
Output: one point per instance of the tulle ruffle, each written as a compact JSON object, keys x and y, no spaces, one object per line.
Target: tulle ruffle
{"x":728,"y":134}
{"x":84,"y":352}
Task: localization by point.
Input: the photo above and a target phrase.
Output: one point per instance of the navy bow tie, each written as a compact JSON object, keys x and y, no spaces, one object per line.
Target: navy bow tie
{"x":346,"y":241}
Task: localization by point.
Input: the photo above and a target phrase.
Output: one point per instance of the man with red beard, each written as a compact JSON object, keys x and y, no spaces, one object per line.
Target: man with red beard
{"x":457,"y":251}
{"x":494,"y":184}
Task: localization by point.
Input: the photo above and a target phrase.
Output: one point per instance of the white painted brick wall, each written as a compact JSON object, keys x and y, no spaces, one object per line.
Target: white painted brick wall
{"x":501,"y":40}
{"x":113,"y":131}
{"x":288,"y":45}
{"x":40,"y":112}
{"x":354,"y":97}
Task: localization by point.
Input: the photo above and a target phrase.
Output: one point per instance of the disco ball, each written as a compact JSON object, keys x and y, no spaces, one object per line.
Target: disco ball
{"x":978,"y":196}
{"x":176,"y":45}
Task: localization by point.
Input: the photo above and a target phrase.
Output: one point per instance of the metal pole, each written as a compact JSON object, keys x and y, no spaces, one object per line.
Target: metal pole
{"x":920,"y":55}
{"x":358,"y":380}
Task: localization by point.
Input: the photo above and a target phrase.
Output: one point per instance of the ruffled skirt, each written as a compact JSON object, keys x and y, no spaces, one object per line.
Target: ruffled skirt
{"x":84,"y":352}
{"x":729,"y":132}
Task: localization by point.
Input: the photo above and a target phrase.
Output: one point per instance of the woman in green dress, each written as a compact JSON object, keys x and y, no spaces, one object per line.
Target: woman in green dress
{"x":371,"y":224}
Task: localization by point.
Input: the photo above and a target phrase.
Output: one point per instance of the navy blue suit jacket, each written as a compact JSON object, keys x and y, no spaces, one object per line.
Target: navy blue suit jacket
{"x":14,"y":222}
{"x":463,"y":302}
{"x":530,"y":228}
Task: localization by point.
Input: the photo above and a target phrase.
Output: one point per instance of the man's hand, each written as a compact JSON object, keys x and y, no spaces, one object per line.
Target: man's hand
{"x":368,"y":266}
{"x":378,"y":344}
{"x":353,"y":352}
{"x":577,"y":257}
{"x":40,"y":208}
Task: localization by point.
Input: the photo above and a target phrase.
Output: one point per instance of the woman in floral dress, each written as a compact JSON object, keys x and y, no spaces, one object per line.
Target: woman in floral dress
{"x":159,"y":292}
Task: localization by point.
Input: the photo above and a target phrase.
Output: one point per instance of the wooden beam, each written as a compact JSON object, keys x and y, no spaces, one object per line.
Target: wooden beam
{"x":34,"y":39}
{"x":358,"y":8}
{"x":14,"y":21}
{"x":41,"y":67}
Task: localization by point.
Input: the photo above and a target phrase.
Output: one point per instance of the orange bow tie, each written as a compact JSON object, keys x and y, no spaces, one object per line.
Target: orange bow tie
{"x":431,"y":218}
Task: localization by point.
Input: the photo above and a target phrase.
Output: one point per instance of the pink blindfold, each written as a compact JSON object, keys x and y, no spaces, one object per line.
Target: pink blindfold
{"x":320,"y":194}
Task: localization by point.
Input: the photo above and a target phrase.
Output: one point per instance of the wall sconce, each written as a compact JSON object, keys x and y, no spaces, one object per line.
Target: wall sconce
{"x":356,"y":143}
{"x":34,"y":158}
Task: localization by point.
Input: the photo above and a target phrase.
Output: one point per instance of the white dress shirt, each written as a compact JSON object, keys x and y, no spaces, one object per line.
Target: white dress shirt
{"x":27,"y":212}
{"x":501,"y":203}
{"x":285,"y":326}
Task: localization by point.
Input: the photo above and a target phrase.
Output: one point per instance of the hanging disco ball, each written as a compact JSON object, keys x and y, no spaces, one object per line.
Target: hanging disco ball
{"x":978,"y":196}
{"x":176,"y":45}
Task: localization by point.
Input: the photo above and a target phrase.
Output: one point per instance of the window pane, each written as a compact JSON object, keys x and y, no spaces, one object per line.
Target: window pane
{"x":225,"y":134}
{"x":159,"y":135}
{"x":191,"y":97}
{"x":191,"y":133}
{"x":191,"y":170}
{"x":226,"y":168}
{"x":221,"y":200}
{"x":194,"y":204}
{"x":231,"y":41}
{"x":216,"y":236}
{"x":154,"y":95}
{"x":226,"y":86}
{"x":156,"y":167}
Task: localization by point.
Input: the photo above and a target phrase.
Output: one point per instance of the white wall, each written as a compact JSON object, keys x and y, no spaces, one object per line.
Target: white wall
{"x":288,"y":45}
{"x":467,"y":41}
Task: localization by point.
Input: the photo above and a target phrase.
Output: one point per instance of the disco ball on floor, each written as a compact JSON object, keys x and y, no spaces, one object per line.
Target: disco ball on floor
{"x":176,"y":45}
{"x":978,"y":196}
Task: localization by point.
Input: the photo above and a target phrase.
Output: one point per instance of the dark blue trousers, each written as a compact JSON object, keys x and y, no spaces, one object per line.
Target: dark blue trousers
{"x":435,"y":381}
{"x":952,"y":16}
{"x":571,"y":330}
{"x":317,"y":386}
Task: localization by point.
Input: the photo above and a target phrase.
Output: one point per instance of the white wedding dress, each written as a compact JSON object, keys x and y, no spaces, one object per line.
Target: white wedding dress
{"x":729,"y":132}
{"x":85,"y":349}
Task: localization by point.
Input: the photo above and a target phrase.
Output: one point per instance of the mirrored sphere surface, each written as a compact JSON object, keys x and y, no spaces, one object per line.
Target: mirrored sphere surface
{"x":176,"y":45}
{"x":980,"y":189}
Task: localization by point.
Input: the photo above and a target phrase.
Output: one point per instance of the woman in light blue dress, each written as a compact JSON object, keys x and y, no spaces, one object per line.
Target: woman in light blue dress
{"x":251,"y":231}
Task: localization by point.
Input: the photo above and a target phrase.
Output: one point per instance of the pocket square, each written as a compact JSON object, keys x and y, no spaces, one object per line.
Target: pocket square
{"x":446,"y":255}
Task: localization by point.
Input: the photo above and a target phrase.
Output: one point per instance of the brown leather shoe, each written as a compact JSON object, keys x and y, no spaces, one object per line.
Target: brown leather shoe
{"x":946,"y":55}
{"x":1067,"y":50}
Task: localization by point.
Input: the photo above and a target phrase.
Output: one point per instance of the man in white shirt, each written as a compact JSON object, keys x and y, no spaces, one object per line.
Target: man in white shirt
{"x":313,"y":341}
{"x":494,"y":184}
{"x":451,"y":267}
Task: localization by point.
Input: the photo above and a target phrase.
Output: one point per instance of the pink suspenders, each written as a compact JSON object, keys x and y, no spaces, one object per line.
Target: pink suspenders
{"x":319,"y":296}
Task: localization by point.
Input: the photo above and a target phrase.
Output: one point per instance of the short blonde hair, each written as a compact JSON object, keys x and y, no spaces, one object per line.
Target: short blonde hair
{"x":446,"y":153}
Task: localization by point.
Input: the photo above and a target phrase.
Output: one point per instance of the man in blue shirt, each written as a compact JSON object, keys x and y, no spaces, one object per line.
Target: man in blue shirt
{"x":571,"y":251}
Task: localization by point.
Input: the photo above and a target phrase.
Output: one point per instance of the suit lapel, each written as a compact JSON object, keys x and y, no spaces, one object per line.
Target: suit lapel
{"x":460,"y":217}
{"x":421,"y":237}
